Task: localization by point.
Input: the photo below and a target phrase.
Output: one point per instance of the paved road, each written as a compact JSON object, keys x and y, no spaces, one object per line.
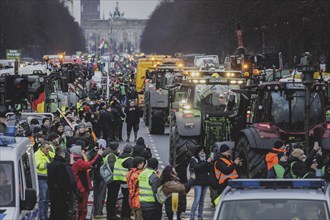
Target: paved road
{"x":159,"y":147}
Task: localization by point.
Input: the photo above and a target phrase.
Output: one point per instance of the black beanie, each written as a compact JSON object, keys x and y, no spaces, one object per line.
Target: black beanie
{"x":224,"y":148}
{"x":153,"y":163}
{"x":137,"y":160}
{"x":278,"y":144}
{"x":140,"y":141}
{"x":81,"y":143}
{"x":113,"y":145}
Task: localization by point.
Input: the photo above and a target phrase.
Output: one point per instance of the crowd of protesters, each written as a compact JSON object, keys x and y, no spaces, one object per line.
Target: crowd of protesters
{"x":71,"y":148}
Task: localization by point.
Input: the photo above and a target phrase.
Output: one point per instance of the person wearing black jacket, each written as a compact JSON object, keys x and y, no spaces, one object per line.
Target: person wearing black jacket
{"x":224,"y":169}
{"x":132,"y":120}
{"x":140,"y":149}
{"x":106,"y":122}
{"x":99,"y":187}
{"x":298,"y":165}
{"x":62,"y":185}
{"x":200,"y":165}
{"x":118,"y":118}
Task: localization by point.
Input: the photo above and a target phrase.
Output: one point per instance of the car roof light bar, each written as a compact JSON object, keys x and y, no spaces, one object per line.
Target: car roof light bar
{"x":275,"y":183}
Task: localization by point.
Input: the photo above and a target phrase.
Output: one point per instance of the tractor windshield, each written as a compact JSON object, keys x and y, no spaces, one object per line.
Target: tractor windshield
{"x":214,"y":97}
{"x":288,"y":109}
{"x":163,"y":79}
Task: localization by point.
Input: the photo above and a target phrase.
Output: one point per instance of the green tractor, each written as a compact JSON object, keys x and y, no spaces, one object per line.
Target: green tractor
{"x":159,"y":97}
{"x":205,"y":115}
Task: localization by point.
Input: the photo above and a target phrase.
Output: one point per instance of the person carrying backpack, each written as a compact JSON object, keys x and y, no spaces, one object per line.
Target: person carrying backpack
{"x":111,"y":153}
{"x":99,"y":187}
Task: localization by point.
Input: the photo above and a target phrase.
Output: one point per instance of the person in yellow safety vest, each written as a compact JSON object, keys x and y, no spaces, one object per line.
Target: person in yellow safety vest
{"x":298,"y":166}
{"x":225,"y":168}
{"x":80,"y":108}
{"x":279,"y":170}
{"x":148,"y":184}
{"x":43,"y":157}
{"x":123,"y":164}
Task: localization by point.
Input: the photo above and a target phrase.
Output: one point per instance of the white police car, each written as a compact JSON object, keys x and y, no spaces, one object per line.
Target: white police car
{"x":273,"y":199}
{"x":18,"y":179}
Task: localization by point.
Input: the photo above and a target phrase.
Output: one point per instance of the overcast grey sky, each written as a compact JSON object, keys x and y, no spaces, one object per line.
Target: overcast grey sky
{"x":132,"y":8}
{"x":140,"y":9}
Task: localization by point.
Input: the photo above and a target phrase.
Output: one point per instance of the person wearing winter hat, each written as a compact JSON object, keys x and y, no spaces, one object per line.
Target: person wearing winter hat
{"x":80,"y":169}
{"x":148,"y":184}
{"x":140,"y":149}
{"x":300,"y":165}
{"x":225,"y":168}
{"x":37,"y":130}
{"x":83,"y":135}
{"x":123,"y":164}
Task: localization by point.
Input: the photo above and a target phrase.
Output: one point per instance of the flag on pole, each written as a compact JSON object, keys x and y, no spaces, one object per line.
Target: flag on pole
{"x":101,"y":44}
{"x":38,"y":105}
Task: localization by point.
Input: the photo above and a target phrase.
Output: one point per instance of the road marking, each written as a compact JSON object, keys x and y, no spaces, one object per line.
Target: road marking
{"x":157,"y":155}
{"x":155,"y":150}
{"x":162,"y":166}
{"x":160,"y":161}
{"x":158,"y":158}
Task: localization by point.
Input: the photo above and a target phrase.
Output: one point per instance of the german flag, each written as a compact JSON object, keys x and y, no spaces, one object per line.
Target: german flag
{"x":38,"y":105}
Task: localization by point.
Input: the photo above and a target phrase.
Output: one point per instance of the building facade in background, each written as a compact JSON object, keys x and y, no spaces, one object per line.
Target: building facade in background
{"x":90,"y":9}
{"x":120,"y":35}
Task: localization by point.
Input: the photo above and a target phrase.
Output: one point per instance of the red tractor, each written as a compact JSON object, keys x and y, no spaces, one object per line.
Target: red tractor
{"x":276,"y":111}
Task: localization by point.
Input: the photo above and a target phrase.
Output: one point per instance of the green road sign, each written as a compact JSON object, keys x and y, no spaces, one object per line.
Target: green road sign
{"x":13,"y":54}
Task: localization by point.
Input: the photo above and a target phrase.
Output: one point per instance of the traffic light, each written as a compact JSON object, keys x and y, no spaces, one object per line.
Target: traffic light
{"x":17,"y":89}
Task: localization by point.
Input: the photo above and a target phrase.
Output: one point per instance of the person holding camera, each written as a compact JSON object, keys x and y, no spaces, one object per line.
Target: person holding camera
{"x":225,"y":168}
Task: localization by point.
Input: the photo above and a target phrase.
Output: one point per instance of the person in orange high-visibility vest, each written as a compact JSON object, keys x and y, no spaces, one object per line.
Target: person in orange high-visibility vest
{"x":225,"y":168}
{"x":272,"y":157}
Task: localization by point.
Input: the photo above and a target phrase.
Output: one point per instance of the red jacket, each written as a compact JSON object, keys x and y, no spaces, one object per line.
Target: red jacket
{"x":80,"y":169}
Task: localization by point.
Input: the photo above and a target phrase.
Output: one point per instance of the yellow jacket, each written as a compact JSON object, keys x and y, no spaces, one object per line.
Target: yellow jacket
{"x":42,"y":161}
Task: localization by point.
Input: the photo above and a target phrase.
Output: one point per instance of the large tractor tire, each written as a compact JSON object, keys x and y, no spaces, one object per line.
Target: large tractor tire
{"x":254,"y":163}
{"x":156,"y":121}
{"x":146,"y":108}
{"x":184,"y":149}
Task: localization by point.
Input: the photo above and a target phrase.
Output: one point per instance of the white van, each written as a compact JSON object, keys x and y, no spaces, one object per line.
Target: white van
{"x":18,"y":179}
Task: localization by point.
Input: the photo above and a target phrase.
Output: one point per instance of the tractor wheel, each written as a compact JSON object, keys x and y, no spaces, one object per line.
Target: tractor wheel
{"x":184,"y":149}
{"x":254,"y":164}
{"x":156,"y":121}
{"x":146,"y":108}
